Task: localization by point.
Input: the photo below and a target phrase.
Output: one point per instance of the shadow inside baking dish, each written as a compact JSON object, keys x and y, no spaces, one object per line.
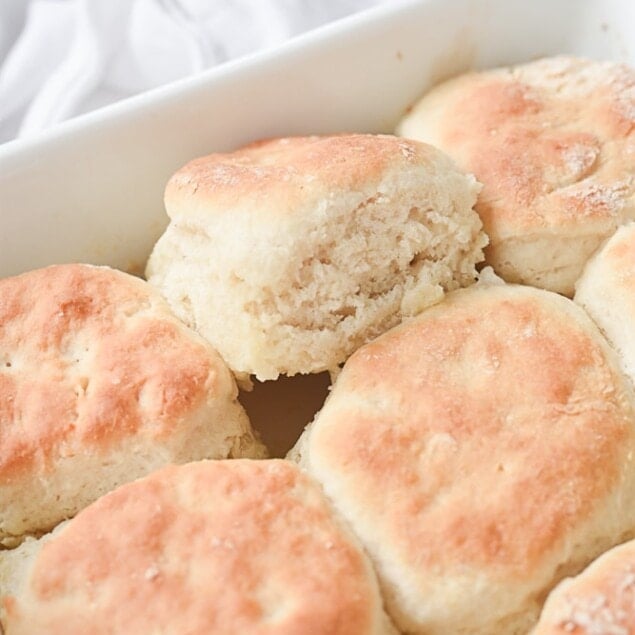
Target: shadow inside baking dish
{"x":279,"y":410}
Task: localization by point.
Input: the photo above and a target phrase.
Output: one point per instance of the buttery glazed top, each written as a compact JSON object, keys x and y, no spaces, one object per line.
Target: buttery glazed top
{"x":215,"y":547}
{"x":477,"y":436}
{"x":282,"y":176}
{"x":553,"y":142}
{"x":88,"y":356}
{"x":600,"y":601}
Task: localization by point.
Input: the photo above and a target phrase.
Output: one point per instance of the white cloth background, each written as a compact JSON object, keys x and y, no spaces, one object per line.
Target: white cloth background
{"x":60,"y":58}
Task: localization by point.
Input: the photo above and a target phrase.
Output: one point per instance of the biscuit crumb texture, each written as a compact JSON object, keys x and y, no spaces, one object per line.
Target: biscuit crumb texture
{"x":100,"y":384}
{"x":290,"y":254}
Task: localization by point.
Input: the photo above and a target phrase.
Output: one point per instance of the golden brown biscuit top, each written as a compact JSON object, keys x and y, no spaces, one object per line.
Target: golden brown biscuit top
{"x":607,"y":287}
{"x":211,"y":547}
{"x":600,"y":601}
{"x":477,"y":435}
{"x":281,"y":174}
{"x":618,"y":256}
{"x":552,"y":141}
{"x":90,"y":355}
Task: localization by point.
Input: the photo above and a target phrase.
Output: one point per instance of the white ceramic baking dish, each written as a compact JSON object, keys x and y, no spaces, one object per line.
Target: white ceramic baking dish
{"x":91,"y":189}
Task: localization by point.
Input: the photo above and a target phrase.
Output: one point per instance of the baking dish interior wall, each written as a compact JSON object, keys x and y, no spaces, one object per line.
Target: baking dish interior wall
{"x":91,"y":189}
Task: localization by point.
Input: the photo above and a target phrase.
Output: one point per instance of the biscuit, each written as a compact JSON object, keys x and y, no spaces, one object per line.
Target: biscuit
{"x":606,"y":291}
{"x":100,"y":384}
{"x":553,"y":143}
{"x":289,"y":254}
{"x":481,"y":451}
{"x":600,"y":601}
{"x":207,"y":548}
